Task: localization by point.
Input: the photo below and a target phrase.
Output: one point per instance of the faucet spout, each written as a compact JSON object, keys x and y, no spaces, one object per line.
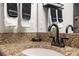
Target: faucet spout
{"x":57,"y":32}
{"x":68,"y":28}
{"x":57,"y":40}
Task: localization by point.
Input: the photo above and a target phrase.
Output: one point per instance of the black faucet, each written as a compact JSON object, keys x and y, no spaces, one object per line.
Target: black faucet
{"x":68,"y":28}
{"x":57,"y":41}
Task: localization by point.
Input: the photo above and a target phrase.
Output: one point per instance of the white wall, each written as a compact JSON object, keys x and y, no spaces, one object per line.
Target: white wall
{"x":42,"y":18}
{"x":67,"y":16}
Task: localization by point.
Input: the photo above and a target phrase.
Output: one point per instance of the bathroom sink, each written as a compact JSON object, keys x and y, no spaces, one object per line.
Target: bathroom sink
{"x":41,"y":52}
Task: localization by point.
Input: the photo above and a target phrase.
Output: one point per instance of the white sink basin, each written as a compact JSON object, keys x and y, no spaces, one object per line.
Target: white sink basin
{"x":41,"y":52}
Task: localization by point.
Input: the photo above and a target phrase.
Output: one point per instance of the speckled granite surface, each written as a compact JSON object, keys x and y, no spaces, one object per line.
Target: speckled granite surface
{"x":14,"y":43}
{"x":6,"y":38}
{"x":16,"y":48}
{"x":72,"y":41}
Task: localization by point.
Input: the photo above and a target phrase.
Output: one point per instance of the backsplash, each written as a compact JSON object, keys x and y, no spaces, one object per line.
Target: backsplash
{"x":6,"y":38}
{"x":73,"y":39}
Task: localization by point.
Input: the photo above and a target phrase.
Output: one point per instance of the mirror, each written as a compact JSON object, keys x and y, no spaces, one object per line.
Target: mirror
{"x":42,"y":17}
{"x":62,"y":17}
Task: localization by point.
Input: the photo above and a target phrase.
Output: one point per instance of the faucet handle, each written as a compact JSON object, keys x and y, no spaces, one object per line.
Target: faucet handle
{"x":62,"y":41}
{"x":65,"y":39}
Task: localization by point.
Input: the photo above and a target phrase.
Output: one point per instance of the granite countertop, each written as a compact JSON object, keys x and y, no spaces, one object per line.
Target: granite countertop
{"x":15,"y":49}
